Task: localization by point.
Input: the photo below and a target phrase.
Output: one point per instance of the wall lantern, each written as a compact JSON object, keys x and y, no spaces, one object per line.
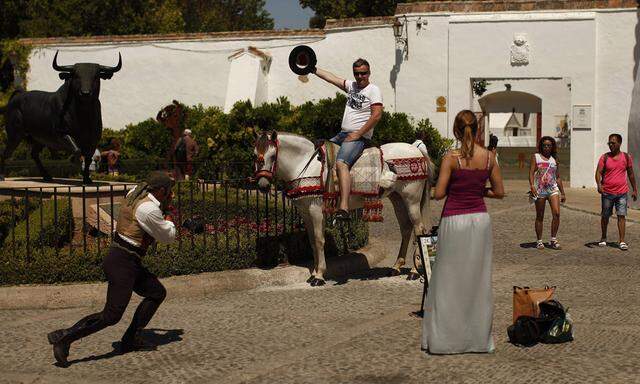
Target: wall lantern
{"x":401,"y":33}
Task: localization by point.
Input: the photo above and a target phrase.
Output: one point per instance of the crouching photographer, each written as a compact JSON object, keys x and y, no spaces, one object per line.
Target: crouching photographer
{"x":141,"y":222}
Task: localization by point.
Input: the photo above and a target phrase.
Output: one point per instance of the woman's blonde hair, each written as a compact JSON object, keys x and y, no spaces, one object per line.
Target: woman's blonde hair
{"x":465,"y":127}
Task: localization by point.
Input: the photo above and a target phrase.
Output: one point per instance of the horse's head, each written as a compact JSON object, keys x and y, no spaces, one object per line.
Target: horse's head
{"x":266,"y":162}
{"x":171,"y":116}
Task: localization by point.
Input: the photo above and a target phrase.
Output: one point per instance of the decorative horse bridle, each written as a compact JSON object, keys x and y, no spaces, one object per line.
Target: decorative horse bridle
{"x":259,"y":161}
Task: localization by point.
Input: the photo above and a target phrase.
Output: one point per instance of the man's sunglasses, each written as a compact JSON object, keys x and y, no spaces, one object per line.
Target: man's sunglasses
{"x":612,"y":143}
{"x":356,"y":74}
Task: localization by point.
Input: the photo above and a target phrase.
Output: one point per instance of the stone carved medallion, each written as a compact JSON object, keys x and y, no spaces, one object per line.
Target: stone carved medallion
{"x":520,"y":50}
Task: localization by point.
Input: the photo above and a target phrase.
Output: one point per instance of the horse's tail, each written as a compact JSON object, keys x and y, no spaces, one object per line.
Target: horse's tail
{"x":429,"y":181}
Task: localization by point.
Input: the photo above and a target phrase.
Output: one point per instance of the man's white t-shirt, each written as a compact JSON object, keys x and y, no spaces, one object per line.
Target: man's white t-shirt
{"x":358,"y":108}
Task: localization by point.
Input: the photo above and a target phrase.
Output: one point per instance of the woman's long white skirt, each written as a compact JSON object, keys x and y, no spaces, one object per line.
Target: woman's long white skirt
{"x":458,"y":312}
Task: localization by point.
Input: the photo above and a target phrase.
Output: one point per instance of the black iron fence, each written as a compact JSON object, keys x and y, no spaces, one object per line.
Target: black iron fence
{"x":134,"y":168}
{"x":61,"y":233}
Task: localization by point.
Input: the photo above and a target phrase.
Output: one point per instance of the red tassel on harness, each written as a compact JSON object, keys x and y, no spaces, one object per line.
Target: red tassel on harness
{"x":330,"y":202}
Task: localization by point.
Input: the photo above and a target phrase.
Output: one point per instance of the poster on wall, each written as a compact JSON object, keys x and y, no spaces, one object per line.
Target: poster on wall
{"x":582,"y":117}
{"x":562,"y":130}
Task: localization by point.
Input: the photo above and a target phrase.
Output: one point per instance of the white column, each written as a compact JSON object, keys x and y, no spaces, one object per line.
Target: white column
{"x":248,"y":78}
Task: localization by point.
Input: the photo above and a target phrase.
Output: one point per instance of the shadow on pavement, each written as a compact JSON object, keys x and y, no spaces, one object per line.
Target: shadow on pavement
{"x":528,"y":245}
{"x":155,"y":336}
{"x":594,"y":244}
{"x":374,"y":273}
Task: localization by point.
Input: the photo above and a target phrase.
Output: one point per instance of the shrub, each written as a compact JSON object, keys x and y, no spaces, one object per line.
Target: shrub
{"x":436,"y":144}
{"x":12,"y":212}
{"x":146,"y":140}
{"x":232,"y":134}
{"x":50,"y":224}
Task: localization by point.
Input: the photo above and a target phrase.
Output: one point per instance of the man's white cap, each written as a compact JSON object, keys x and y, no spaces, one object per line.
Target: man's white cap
{"x":187,"y":132}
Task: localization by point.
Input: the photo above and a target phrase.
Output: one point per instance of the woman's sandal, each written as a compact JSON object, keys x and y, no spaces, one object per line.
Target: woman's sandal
{"x":623,"y":246}
{"x":539,"y":244}
{"x":555,"y":244}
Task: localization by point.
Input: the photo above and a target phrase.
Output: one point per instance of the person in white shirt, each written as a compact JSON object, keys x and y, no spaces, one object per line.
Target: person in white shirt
{"x":140,"y":222}
{"x":361,"y":114}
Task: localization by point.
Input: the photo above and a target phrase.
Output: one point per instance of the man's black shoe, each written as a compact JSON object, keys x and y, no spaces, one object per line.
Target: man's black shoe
{"x":60,"y":346}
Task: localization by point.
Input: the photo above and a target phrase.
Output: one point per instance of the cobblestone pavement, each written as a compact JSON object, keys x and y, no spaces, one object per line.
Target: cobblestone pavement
{"x":359,"y":330}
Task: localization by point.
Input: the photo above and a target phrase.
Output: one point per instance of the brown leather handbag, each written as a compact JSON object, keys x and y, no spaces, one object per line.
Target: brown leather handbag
{"x":526,"y":300}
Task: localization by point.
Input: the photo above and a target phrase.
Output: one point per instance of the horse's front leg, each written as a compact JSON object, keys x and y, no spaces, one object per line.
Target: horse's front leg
{"x":314,"y":223}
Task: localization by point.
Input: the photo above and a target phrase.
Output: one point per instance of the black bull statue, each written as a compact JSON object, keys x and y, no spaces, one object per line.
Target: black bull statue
{"x":67,"y":119}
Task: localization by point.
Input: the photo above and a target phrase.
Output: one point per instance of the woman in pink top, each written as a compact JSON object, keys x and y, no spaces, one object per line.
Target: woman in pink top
{"x":458,"y":313}
{"x":611,"y":177}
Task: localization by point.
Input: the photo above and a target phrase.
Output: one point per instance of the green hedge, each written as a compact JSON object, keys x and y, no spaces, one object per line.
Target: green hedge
{"x":12,"y":212}
{"x":45,"y":229}
{"x":233,"y":133}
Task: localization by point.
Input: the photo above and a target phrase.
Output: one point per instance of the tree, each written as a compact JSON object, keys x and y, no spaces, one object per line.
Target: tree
{"x":225,"y":15}
{"x":340,"y":9}
{"x":53,"y":18}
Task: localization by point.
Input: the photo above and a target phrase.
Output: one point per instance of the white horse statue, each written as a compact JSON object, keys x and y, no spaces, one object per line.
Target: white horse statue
{"x":288,"y":156}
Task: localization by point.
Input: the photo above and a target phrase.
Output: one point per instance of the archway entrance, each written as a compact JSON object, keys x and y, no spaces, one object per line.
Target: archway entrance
{"x":514,"y":116}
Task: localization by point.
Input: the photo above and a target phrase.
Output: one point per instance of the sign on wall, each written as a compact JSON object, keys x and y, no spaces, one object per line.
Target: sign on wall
{"x":581,"y":117}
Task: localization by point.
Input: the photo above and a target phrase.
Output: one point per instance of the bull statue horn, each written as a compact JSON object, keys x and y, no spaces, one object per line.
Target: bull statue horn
{"x":112,"y":70}
{"x":61,"y":68}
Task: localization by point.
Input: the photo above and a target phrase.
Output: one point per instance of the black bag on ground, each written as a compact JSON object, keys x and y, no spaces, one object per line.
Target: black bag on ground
{"x":525,"y":331}
{"x":554,"y":325}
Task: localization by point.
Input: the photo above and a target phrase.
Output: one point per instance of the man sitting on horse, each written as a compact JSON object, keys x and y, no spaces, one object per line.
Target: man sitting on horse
{"x":361,"y":114}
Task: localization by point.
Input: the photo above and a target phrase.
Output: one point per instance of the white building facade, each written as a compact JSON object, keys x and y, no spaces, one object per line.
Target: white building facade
{"x":571,"y":60}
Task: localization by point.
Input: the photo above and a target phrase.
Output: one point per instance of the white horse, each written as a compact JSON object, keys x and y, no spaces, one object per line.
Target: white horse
{"x":288,"y":156}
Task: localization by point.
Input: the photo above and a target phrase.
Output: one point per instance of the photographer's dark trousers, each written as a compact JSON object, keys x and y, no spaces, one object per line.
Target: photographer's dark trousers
{"x":125,"y":274}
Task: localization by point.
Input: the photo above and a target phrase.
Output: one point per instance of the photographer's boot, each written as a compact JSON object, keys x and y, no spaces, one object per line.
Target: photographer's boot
{"x":62,"y":338}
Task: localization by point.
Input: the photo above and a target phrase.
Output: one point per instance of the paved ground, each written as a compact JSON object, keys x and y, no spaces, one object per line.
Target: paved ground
{"x":358,"y":330}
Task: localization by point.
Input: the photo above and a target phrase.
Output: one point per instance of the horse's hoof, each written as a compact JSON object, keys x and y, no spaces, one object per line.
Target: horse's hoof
{"x":317,"y":282}
{"x":394,"y":272}
{"x":413,"y":276}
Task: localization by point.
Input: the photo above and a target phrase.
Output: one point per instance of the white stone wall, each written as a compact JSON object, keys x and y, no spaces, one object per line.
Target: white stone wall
{"x":593,"y":50}
{"x":615,"y":62}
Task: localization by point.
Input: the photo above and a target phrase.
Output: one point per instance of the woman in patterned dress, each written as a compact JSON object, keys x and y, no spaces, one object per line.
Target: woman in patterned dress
{"x":546,"y":185}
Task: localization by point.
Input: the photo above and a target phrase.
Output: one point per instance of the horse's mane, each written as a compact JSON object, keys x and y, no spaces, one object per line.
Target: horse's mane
{"x":293,"y":135}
